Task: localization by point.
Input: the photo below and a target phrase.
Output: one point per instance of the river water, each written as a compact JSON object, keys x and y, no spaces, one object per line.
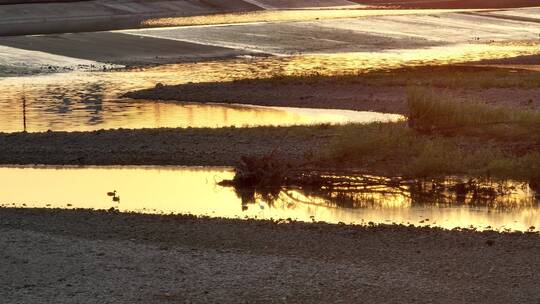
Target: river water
{"x":194,"y":190}
{"x":90,"y":100}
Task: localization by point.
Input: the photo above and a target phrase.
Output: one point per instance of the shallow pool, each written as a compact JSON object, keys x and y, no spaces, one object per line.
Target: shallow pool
{"x":194,"y":190}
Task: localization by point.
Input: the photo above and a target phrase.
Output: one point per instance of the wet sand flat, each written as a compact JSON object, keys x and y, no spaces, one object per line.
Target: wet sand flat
{"x":525,"y":14}
{"x":118,"y":48}
{"x":285,"y":38}
{"x":92,"y":257}
{"x":84,"y":16}
{"x":450,"y":3}
{"x":286,"y":4}
{"x":385,"y":35}
{"x":418,"y":30}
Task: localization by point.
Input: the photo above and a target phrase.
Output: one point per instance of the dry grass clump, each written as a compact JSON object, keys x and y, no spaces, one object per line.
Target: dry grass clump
{"x":471,"y":77}
{"x":445,"y":138}
{"x":432,"y":113}
{"x":395,"y":149}
{"x":452,"y":76}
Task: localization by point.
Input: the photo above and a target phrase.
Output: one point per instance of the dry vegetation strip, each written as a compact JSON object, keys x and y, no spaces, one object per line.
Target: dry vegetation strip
{"x":452,"y":76}
{"x":444,"y":137}
{"x":430,"y":113}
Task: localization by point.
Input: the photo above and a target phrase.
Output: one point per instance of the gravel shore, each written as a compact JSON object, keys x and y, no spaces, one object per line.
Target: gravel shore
{"x":190,"y":147}
{"x":80,"y":256}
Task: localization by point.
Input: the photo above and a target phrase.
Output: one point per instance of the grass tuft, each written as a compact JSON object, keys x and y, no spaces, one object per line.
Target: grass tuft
{"x":435,"y":113}
{"x":444,"y":138}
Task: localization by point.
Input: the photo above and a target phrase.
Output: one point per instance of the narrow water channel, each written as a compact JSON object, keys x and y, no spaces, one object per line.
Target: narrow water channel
{"x":194,"y":190}
{"x":91,"y":115}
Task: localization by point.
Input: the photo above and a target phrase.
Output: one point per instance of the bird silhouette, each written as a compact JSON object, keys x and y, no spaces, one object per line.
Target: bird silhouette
{"x":111,"y":193}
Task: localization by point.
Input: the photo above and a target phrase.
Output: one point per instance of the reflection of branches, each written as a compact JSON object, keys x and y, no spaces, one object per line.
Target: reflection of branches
{"x":65,"y":100}
{"x":365,"y":191}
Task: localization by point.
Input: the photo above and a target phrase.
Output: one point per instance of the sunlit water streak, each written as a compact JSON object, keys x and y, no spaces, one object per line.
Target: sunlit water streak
{"x":131,"y":114}
{"x":194,"y":190}
{"x":290,"y":15}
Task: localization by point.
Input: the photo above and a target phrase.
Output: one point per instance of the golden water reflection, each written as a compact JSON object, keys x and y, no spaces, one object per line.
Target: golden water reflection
{"x":327,"y":64}
{"x":194,"y":190}
{"x":136,"y":115}
{"x":90,"y":100}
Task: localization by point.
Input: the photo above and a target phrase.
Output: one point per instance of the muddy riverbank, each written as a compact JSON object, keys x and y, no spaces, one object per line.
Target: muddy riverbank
{"x":73,"y":256}
{"x":377,"y":91}
{"x":359,"y":97}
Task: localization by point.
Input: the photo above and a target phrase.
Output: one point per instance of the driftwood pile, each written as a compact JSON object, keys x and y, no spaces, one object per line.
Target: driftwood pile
{"x":266,"y":171}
